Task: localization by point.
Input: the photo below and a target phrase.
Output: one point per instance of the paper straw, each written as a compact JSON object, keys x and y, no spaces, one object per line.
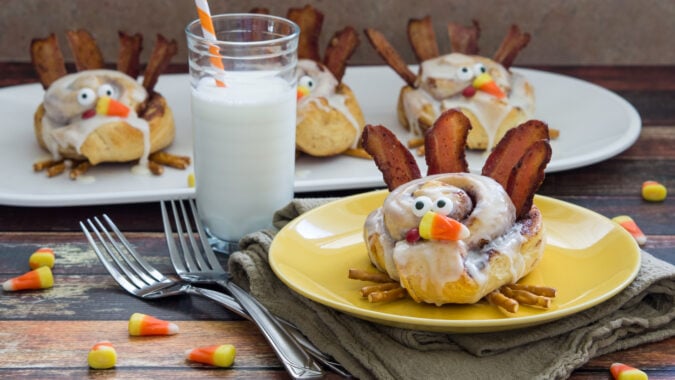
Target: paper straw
{"x":210,"y":34}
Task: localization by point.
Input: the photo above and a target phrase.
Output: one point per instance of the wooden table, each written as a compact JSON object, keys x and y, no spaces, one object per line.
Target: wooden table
{"x":47,"y":334}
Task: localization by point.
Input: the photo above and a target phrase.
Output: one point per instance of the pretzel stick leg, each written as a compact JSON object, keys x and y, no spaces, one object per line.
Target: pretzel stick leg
{"x":360,"y":274}
{"x":534,"y":289}
{"x":387,"y":295}
{"x":500,"y":300}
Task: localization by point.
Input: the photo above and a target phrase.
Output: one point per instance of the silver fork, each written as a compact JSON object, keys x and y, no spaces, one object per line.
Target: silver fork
{"x":196,"y":263}
{"x":135,"y":275}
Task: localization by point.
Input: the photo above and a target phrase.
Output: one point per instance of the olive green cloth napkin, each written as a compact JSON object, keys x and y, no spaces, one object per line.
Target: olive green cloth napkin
{"x":643,"y":312}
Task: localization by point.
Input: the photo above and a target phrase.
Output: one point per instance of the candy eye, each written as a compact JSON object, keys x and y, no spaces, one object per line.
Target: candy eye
{"x":479,"y":69}
{"x":306,"y":81}
{"x":443,"y":206}
{"x":86,"y":97}
{"x":107,"y":90}
{"x":421,"y":205}
{"x":464,"y":73}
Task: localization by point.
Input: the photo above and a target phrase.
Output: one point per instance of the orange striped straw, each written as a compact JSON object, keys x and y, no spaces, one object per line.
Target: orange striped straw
{"x":210,"y":34}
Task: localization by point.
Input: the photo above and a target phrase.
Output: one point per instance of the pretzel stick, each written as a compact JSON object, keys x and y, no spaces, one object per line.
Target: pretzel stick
{"x":415,"y":142}
{"x":168,"y":159}
{"x":79,"y":169}
{"x":498,"y":299}
{"x":56,"y":169}
{"x":534,"y":289}
{"x":87,"y":54}
{"x":44,"y":164}
{"x":155,"y":168}
{"x":388,"y":295}
{"x":366,"y":290}
{"x":358,"y":153}
{"x":360,"y":274}
{"x":526,"y":298}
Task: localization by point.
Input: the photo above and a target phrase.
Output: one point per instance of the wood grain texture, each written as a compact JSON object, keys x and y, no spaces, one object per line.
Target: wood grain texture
{"x":47,"y":333}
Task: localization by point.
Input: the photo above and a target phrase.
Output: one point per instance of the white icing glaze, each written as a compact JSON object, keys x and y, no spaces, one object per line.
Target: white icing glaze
{"x":325,"y":86}
{"x":480,"y":203}
{"x":439,"y":86}
{"x":63,"y":125}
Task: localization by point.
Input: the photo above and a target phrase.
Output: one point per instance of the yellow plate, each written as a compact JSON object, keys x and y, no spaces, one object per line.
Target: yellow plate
{"x":588,"y":258}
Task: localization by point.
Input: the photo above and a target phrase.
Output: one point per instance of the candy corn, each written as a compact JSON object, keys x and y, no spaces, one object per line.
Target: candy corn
{"x":110,"y":107}
{"x":141,"y":324}
{"x":629,"y":224}
{"x":43,"y":257}
{"x":653,"y":191}
{"x":485,"y":83}
{"x":40,"y":278}
{"x":439,"y":227}
{"x":102,"y":356}
{"x":219,"y":356}
{"x":621,"y":371}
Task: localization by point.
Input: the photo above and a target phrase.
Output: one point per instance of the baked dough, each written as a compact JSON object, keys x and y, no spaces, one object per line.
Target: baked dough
{"x":452,"y":82}
{"x":69,"y":126}
{"x":329,"y":118}
{"x":498,"y":250}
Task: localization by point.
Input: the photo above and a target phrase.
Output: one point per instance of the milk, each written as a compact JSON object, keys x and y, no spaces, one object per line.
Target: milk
{"x":244,"y":151}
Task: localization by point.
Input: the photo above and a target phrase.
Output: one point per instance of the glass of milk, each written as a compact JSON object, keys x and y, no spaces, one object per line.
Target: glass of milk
{"x":243,"y":107}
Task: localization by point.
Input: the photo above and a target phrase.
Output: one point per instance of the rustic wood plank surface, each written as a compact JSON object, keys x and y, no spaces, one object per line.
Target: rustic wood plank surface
{"x":47,"y":334}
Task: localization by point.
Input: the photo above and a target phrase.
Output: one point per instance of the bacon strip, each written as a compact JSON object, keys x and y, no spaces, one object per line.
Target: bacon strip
{"x":128,"y":59}
{"x":341,"y":47}
{"x":422,"y":38}
{"x":514,"y":41}
{"x":310,"y":21}
{"x":47,"y":59}
{"x":445,"y":142}
{"x":511,"y":148}
{"x":159,"y":59}
{"x":394,"y":160}
{"x":390,"y":56}
{"x":464,"y":39}
{"x":86,"y":52}
{"x":527,"y":176}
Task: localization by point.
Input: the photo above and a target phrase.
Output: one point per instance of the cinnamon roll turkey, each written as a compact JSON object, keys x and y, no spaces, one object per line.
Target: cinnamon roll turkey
{"x":455,"y":236}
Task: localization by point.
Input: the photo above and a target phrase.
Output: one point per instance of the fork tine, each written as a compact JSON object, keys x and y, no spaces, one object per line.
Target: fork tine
{"x":195,"y":247}
{"x":210,"y":256}
{"x":177,"y":259}
{"x":116,"y":274}
{"x":138,"y":262}
{"x":188,"y":254}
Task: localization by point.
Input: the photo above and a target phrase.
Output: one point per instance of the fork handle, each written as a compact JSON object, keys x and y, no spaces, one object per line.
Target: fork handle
{"x":298,"y":363}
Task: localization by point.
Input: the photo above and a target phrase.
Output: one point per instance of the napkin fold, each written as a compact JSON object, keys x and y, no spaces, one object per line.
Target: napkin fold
{"x":643,"y":312}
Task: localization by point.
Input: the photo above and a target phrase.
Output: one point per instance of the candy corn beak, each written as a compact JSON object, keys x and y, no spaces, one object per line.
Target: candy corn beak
{"x":40,"y":278}
{"x":435,"y":226}
{"x":485,"y":83}
{"x":107,"y":106}
{"x":141,"y":325}
{"x":302,"y":92}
